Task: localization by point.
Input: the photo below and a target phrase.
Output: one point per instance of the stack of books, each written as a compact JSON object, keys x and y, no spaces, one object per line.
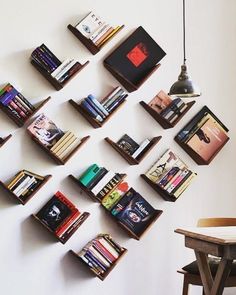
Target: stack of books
{"x":167,"y":108}
{"x":100,"y":110}
{"x":24,"y":184}
{"x":15,"y":104}
{"x":59,"y":143}
{"x":131,"y":147}
{"x":60,"y":71}
{"x":96,"y":30}
{"x":101,"y":253}
{"x":124,"y":203}
{"x":205,"y":135}
{"x":61,"y":216}
{"x":171,"y":174}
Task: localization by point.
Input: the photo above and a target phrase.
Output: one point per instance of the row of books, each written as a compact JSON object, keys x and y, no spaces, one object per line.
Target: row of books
{"x":100,"y":110}
{"x":101,"y":253}
{"x":96,"y":29}
{"x":15,"y":104}
{"x":131,"y":147}
{"x":204,"y":134}
{"x":24,"y":184}
{"x":123,"y":202}
{"x":61,"y":71}
{"x":59,"y":143}
{"x":61,"y":216}
{"x":169,"y":109}
{"x":171,"y":174}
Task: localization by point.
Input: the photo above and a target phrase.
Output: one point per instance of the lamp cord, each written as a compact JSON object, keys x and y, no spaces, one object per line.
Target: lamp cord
{"x":184,"y":31}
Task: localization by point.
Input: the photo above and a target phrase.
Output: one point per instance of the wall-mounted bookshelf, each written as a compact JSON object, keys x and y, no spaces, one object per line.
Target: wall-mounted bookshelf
{"x":203,"y":137}
{"x":27,"y":188}
{"x":17,"y":107}
{"x":169,"y":176}
{"x":99,"y":36}
{"x":130,"y":64}
{"x":117,"y":201}
{"x":131,"y":160}
{"x":165,"y":111}
{"x":3,"y":140}
{"x":102,"y":247}
{"x":59,"y":145}
{"x":98,"y":116}
{"x":57,"y":73}
{"x":60,"y":217}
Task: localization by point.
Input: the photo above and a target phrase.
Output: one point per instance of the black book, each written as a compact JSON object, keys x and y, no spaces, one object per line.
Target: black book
{"x":136,"y":56}
{"x":128,"y":144}
{"x":103,"y":171}
{"x":54,"y":213}
{"x":137,"y":214}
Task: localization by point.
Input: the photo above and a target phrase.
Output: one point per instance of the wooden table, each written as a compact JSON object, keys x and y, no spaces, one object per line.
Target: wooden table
{"x":217,"y":241}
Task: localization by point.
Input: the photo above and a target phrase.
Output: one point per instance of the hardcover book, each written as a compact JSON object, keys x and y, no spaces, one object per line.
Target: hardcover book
{"x":128,"y":144}
{"x":136,"y":56}
{"x":160,"y":102}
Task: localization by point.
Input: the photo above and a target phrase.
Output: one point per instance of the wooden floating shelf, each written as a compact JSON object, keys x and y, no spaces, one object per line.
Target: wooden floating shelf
{"x":46,"y":179}
{"x":90,"y":119}
{"x":54,"y":82}
{"x":22,"y":122}
{"x":161,"y":120}
{"x":63,"y":241}
{"x":54,"y":156}
{"x":94,"y":49}
{"x":163,"y":193}
{"x":129,"y":158}
{"x":104,"y":275}
{"x":4,"y":140}
{"x":128,"y":85}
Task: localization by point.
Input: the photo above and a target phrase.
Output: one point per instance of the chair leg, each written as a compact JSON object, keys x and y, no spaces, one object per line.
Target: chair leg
{"x":185,"y":286}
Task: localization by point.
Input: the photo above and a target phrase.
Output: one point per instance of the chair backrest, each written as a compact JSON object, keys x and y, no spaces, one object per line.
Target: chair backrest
{"x":209,"y":222}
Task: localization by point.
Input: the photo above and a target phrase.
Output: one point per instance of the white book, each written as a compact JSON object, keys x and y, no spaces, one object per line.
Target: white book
{"x":98,"y":32}
{"x":100,"y":185}
{"x":114,"y":92}
{"x":66,"y":145}
{"x":66,"y":69}
{"x":89,"y":24}
{"x":70,"y":149}
{"x":32,"y":180}
{"x":141,"y":148}
{"x":16,"y":190}
{"x":68,"y":133}
{"x":61,"y":67}
{"x":108,"y":247}
{"x":101,"y":33}
{"x":99,"y":256}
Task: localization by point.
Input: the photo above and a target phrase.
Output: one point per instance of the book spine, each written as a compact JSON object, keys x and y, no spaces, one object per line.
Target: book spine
{"x":98,"y":32}
{"x":109,"y":36}
{"x":65,"y":70}
{"x":104,"y":35}
{"x":116,"y":103}
{"x":180,"y":179}
{"x":66,"y":201}
{"x":47,"y":58}
{"x":97,"y":178}
{"x":53,"y":56}
{"x":99,"y":186}
{"x":86,"y":106}
{"x":93,"y":105}
{"x":98,"y":104}
{"x":20,"y":105}
{"x":25,"y":187}
{"x":113,"y":98}
{"x":65,"y":225}
{"x":12,"y":112}
{"x":103,"y":250}
{"x":59,"y":69}
{"x":8,"y":97}
{"x":24,"y":100}
{"x":184,"y":186}
{"x":19,"y":111}
{"x":109,"y":187}
{"x":142,"y":146}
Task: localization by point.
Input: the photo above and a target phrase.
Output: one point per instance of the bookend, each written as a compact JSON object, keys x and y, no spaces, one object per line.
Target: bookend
{"x":94,"y":49}
{"x":164,"y":194}
{"x":128,"y":85}
{"x":53,"y":156}
{"x":4,"y":186}
{"x":57,"y":85}
{"x":90,"y":119}
{"x":63,"y":241}
{"x":161,"y":120}
{"x":104,"y":275}
{"x":129,"y":158}
{"x":4,"y":140}
{"x":130,"y":233}
{"x":18,"y":122}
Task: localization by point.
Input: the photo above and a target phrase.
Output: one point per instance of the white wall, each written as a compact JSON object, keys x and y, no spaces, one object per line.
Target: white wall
{"x":30,"y":261}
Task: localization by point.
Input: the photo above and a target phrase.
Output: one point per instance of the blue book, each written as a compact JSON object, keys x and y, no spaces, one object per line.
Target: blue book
{"x":116,"y":103}
{"x":91,"y":111}
{"x":8,"y":96}
{"x":95,"y":107}
{"x":98,"y":104}
{"x":95,"y":260}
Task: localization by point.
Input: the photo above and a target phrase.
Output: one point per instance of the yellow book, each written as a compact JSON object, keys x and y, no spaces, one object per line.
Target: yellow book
{"x":60,"y":146}
{"x":109,"y":36}
{"x":34,"y":175}
{"x":15,"y":179}
{"x":66,"y":145}
{"x":60,"y":141}
{"x":185,"y":184}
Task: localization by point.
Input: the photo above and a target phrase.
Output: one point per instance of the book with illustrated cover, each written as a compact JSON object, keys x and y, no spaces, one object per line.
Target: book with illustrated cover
{"x":208,"y":139}
{"x":160,"y":102}
{"x":135,"y":58}
{"x":127,"y":144}
{"x":137,"y":214}
{"x":45,"y":130}
{"x":89,"y":24}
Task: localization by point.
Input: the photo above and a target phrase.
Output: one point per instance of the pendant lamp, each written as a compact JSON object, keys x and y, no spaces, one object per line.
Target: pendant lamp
{"x":184,"y":87}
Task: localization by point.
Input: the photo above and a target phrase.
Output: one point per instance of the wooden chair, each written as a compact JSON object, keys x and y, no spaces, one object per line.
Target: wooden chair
{"x":190,"y":271}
